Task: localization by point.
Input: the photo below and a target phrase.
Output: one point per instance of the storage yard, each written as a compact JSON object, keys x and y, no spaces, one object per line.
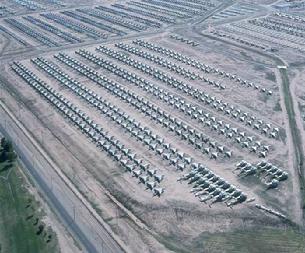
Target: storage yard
{"x":175,"y":120}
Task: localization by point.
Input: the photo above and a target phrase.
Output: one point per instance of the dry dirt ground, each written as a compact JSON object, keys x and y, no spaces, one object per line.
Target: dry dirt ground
{"x":177,"y":213}
{"x":177,"y":220}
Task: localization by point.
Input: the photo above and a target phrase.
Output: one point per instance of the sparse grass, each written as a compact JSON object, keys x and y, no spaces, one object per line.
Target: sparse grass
{"x":297,"y":142}
{"x":96,"y":207}
{"x":21,"y":226}
{"x":271,"y":76}
{"x":259,"y":67}
{"x":246,"y":56}
{"x":4,"y":167}
{"x":259,"y":240}
{"x":249,"y":240}
{"x":170,"y":242}
{"x":263,"y":97}
{"x":277,"y":107}
{"x":297,"y":64}
{"x":282,"y":135}
{"x":125,"y":200}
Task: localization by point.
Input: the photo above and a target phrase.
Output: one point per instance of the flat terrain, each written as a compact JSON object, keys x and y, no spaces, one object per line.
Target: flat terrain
{"x":171,"y":126}
{"x":22,"y":218}
{"x":260,"y":240}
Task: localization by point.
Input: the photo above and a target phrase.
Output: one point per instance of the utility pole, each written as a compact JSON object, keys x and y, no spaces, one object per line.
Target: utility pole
{"x":74,"y":213}
{"x":102,"y":246}
{"x":19,"y":110}
{"x":42,"y":136}
{"x":209,"y":27}
{"x":1,"y":89}
{"x":51,"y":183}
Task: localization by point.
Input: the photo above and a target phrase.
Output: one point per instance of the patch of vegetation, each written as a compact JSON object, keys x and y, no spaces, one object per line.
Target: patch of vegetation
{"x":297,"y":64}
{"x":246,"y":56}
{"x":263,"y":97}
{"x":302,"y":97}
{"x":127,"y":201}
{"x":21,"y":225}
{"x":277,"y":107}
{"x":7,"y":153}
{"x":282,"y":135}
{"x":271,"y":76}
{"x":301,"y":107}
{"x":171,"y":243}
{"x":258,"y":240}
{"x":96,"y":207}
{"x":295,"y":134}
{"x":254,"y":241}
{"x":259,"y":67}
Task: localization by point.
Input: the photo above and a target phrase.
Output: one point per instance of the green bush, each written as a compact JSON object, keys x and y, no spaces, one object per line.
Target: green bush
{"x":7,"y":152}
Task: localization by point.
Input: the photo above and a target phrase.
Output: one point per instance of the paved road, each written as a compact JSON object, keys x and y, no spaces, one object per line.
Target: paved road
{"x":71,"y":210}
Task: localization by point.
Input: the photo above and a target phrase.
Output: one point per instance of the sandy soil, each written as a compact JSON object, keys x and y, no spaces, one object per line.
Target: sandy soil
{"x":177,"y":195}
{"x":143,"y":222}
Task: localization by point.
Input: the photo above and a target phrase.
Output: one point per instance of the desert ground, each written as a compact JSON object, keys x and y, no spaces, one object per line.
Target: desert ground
{"x":162,"y":126}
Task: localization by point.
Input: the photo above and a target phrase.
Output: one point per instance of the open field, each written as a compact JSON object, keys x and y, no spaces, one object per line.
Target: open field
{"x":22,"y":218}
{"x":262,"y":240}
{"x":176,"y":126}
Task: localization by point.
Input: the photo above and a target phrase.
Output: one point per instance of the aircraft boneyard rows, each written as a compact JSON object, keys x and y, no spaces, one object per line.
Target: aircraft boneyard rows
{"x":160,"y":108}
{"x":128,"y":159}
{"x":99,"y":22}
{"x":198,"y":65}
{"x":218,"y":189}
{"x":171,"y":106}
{"x":207,"y":186}
{"x":205,"y":118}
{"x":155,"y":113}
{"x":279,"y":30}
